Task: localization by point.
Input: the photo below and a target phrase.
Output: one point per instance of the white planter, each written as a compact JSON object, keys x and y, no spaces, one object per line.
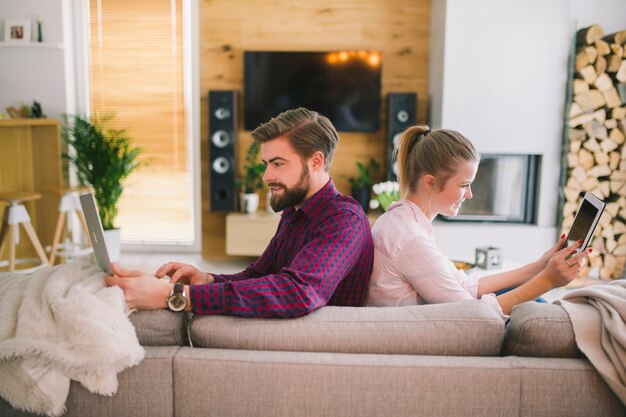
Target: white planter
{"x":249,"y":202}
{"x":113,"y":239}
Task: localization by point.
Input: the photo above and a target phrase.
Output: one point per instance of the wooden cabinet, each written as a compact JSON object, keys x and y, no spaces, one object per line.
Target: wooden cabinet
{"x":249,"y":234}
{"x":30,"y":160}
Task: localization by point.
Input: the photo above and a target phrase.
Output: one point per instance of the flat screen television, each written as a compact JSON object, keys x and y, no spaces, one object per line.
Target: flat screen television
{"x":344,"y":86}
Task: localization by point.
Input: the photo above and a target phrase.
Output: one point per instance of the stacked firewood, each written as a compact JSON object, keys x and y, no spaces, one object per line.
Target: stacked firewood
{"x":596,"y":159}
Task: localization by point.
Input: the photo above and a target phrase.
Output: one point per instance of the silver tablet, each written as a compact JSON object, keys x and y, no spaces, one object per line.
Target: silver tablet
{"x":96,"y":233}
{"x":585,"y":221}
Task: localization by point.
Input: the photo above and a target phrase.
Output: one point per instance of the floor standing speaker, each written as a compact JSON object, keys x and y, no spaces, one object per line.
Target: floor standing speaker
{"x":222,"y":140}
{"x":402,"y":114}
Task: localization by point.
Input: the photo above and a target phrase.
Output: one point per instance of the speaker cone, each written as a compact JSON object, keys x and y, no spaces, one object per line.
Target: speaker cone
{"x":221,"y":138}
{"x":222,"y":113}
{"x":221,"y":165}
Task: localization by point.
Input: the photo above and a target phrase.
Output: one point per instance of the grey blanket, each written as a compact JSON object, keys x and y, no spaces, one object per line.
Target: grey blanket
{"x":598,"y":316}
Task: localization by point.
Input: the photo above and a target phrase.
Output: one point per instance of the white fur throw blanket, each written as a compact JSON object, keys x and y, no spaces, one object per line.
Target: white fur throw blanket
{"x":57,"y":324}
{"x":598,"y":315}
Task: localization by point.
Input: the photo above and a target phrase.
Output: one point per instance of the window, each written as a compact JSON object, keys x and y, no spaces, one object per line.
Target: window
{"x":137,"y":71}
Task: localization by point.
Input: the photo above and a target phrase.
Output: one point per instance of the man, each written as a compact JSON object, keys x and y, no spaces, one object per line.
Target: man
{"x":322,"y":252}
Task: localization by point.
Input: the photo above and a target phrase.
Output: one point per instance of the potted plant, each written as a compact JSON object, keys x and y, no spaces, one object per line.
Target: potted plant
{"x":362,"y":184}
{"x":102,"y":157}
{"x":252,"y":179}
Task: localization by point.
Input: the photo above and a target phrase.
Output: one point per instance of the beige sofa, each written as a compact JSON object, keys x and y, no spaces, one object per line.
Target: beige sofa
{"x":436,"y":360}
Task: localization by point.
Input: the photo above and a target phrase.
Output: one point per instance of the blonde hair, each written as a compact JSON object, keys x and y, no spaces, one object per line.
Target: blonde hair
{"x":421,"y":151}
{"x":306,"y":130}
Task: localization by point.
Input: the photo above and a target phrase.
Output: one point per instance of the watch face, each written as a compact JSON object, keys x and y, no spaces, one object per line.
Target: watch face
{"x":177,"y":302}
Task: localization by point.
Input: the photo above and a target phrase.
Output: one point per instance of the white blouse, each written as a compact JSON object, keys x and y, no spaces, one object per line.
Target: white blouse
{"x":410,"y":269}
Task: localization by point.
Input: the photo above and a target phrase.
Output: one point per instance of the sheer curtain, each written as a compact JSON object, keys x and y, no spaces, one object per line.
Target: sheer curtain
{"x":137,"y":71}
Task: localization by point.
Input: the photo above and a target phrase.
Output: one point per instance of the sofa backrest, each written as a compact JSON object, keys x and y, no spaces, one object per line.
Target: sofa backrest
{"x":540,"y":330}
{"x":467,"y":328}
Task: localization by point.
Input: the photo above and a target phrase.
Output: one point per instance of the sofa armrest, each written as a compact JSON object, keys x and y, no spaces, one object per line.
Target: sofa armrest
{"x":540,"y":330}
{"x":160,"y":328}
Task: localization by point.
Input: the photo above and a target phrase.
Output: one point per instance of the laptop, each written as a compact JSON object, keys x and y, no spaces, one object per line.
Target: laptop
{"x":96,"y":233}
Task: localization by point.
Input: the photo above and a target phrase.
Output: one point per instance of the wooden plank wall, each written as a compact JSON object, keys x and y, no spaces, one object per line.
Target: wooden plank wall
{"x":398,"y":28}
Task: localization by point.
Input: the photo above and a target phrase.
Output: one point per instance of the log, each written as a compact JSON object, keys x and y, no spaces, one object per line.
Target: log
{"x":577,"y":135}
{"x":589,"y":74}
{"x":569,"y":208}
{"x":612,"y":208}
{"x":614,"y":160}
{"x":590,"y":100}
{"x":621,"y":73}
{"x":599,"y":115}
{"x":610,"y":124}
{"x":601,"y":158}
{"x":603,"y":82}
{"x":579,"y":174}
{"x":574,"y":110}
{"x":612,"y":98}
{"x":618,"y":186}
{"x":571,"y":194}
{"x":585,"y":159}
{"x":621,"y":92}
{"x":580,"y":86}
{"x":582,"y":60}
{"x":580,"y":120}
{"x":604,"y":187}
{"x":613,"y":63}
{"x":592,"y":145}
{"x":618,"y":228}
{"x":598,"y":171}
{"x":572,"y":159}
{"x":592,"y":53}
{"x":574,"y":146}
{"x":608,"y":145}
{"x":618,"y":113}
{"x":595,"y":129}
{"x":588,"y":35}
{"x":589,"y":184}
{"x":617,"y":37}
{"x":602,"y":47}
{"x":619,"y":251}
{"x":600,"y":65}
{"x":616,"y":49}
{"x":616,"y":136}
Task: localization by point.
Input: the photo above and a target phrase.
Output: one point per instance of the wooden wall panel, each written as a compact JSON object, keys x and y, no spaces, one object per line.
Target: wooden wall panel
{"x":398,"y":28}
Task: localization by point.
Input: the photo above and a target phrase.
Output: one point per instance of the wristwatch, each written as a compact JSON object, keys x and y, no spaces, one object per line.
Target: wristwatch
{"x":177,"y":300}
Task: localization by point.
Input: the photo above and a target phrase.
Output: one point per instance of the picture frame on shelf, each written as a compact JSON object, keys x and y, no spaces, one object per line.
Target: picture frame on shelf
{"x":17,"y":31}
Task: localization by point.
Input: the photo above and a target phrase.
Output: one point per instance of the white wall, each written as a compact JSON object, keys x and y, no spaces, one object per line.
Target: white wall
{"x":503,"y":74}
{"x":36,"y":72}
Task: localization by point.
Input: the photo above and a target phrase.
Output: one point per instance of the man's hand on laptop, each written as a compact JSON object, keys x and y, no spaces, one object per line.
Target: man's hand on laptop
{"x":185,"y":273}
{"x":141,"y":291}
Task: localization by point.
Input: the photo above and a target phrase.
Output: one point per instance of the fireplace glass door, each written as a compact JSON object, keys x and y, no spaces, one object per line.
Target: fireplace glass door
{"x":505,"y":190}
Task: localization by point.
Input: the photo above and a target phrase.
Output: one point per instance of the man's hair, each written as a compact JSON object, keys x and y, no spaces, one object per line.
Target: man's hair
{"x":437,"y":152}
{"x":306,"y":130}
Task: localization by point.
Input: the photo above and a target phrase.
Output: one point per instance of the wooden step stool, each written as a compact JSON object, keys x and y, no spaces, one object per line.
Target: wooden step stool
{"x":70,"y":203}
{"x":14,"y":215}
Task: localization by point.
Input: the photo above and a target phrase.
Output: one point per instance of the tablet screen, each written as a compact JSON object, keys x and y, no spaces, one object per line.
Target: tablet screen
{"x":585,"y":221}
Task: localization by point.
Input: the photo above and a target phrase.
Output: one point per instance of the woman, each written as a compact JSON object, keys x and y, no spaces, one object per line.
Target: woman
{"x":435,"y":170}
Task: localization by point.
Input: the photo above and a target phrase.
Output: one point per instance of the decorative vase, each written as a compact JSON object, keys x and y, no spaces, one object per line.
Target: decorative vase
{"x":362,"y":196}
{"x":249,"y":202}
{"x":113,"y":239}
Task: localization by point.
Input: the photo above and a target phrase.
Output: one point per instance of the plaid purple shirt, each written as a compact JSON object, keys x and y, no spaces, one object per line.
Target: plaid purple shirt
{"x":321,"y":254}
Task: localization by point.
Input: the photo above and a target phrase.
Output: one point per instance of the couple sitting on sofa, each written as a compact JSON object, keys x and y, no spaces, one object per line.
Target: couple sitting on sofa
{"x":323,"y":253}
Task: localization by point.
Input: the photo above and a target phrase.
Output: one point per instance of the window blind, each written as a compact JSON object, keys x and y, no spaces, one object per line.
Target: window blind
{"x":136,"y":65}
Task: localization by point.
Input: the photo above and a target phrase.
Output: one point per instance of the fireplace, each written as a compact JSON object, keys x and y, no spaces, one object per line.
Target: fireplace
{"x":505,"y":190}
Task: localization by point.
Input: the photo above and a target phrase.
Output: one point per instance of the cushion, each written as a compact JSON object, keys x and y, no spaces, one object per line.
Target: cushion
{"x":540,"y":330}
{"x":468,"y":328}
{"x":160,"y":328}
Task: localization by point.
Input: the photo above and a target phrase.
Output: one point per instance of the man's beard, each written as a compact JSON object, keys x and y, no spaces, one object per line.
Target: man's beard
{"x":291,"y":196}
